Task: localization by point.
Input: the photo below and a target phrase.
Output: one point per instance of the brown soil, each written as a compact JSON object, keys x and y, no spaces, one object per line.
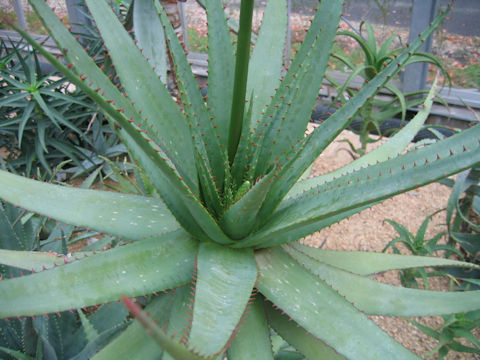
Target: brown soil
{"x":367,"y":231}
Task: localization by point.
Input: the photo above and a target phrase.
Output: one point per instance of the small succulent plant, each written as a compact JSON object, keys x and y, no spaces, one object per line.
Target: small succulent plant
{"x":218,"y":249}
{"x":376,"y":116}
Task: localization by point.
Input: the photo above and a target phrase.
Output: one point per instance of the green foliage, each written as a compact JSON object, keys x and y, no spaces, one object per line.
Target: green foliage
{"x":217,"y":247}
{"x":196,"y":42}
{"x":417,"y":245}
{"x":45,"y":120}
{"x":454,"y":326}
{"x":375,"y":112}
{"x":468,"y":77}
{"x":462,"y":220}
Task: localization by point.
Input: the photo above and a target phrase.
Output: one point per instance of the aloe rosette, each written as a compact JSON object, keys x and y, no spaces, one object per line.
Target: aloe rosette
{"x":218,"y":248}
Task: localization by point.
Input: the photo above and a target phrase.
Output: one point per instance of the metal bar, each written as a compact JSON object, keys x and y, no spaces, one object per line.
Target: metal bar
{"x":76,"y":16}
{"x":183,"y":17}
{"x":17,"y":6}
{"x":423,"y":13}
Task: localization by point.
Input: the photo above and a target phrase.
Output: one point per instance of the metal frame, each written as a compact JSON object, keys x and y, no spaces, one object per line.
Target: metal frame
{"x":423,"y":13}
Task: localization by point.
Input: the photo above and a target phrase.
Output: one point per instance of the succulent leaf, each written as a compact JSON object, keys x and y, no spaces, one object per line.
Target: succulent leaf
{"x":388,"y":300}
{"x":387,"y":179}
{"x":210,"y":155}
{"x":301,"y":340}
{"x":266,"y":61}
{"x":239,"y":219}
{"x":311,"y":147}
{"x":140,"y":268}
{"x":130,"y":216}
{"x":313,"y":303}
{"x":147,"y":92}
{"x":368,"y":263}
{"x":221,"y":67}
{"x":253,"y":338}
{"x":150,"y":36}
{"x":225,"y":279}
{"x":292,"y":104}
{"x":394,"y":146}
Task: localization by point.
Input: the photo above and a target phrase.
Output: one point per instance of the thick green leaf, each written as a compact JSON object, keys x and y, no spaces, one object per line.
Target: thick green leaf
{"x":225,"y":279}
{"x":130,"y":216}
{"x":211,"y":156}
{"x":253,"y":338}
{"x":149,"y":33}
{"x":180,"y":314}
{"x":388,"y":300}
{"x":31,"y":260}
{"x":140,"y":268}
{"x":367,"y":263}
{"x":371,"y":184}
{"x":301,"y":340}
{"x":240,"y":218}
{"x":394,"y":146}
{"x":266,"y":62}
{"x":157,"y":165}
{"x":321,"y":311}
{"x":18,"y":355}
{"x":303,"y":156}
{"x":221,"y":67}
{"x":148,"y":93}
{"x":289,"y":112}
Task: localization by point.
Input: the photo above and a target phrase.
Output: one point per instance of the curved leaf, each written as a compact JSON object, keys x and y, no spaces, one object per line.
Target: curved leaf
{"x":394,"y":146}
{"x":225,"y":279}
{"x":150,"y":36}
{"x":140,"y":268}
{"x":253,"y":338}
{"x":143,"y":87}
{"x":372,"y":184}
{"x":367,"y":263}
{"x":321,"y":311}
{"x":376,"y":298}
{"x":130,"y":216}
{"x":301,"y":340}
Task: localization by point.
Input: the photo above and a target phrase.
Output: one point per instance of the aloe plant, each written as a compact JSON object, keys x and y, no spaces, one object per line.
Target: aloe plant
{"x":375,"y":116}
{"x":218,"y":247}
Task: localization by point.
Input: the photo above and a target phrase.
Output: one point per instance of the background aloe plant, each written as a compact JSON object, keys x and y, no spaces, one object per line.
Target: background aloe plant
{"x":376,"y":116}
{"x":64,"y":335}
{"x":218,"y":247}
